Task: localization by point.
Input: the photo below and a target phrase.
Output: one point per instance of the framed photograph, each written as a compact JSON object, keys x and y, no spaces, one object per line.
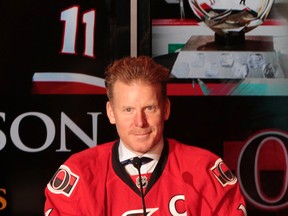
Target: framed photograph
{"x":216,"y":48}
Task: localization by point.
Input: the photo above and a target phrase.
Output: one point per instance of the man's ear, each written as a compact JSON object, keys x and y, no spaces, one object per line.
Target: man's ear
{"x":110,"y":113}
{"x":167,"y":109}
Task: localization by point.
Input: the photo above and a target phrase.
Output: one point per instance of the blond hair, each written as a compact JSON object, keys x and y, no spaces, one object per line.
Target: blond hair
{"x":130,"y":69}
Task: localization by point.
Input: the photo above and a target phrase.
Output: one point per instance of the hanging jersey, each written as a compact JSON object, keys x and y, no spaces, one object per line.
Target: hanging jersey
{"x":67,"y":39}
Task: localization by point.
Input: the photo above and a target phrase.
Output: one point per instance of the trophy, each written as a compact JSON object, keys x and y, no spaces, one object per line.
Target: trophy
{"x":231,"y":19}
{"x":229,"y":54}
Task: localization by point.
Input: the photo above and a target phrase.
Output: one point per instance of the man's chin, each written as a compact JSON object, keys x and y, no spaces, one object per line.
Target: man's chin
{"x":141,"y":147}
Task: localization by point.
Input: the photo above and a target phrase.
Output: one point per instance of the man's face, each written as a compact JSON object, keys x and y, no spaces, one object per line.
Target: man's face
{"x":139,"y":112}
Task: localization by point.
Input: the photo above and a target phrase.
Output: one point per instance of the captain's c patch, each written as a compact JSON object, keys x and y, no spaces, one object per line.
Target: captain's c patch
{"x":223,"y":174}
{"x":63,"y":181}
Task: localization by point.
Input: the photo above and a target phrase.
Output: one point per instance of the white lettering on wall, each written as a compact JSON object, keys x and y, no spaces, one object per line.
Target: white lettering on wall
{"x":50,"y":131}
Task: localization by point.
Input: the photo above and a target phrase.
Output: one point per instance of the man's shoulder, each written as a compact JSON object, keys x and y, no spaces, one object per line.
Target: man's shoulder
{"x":190,"y":150}
{"x":97,"y":152}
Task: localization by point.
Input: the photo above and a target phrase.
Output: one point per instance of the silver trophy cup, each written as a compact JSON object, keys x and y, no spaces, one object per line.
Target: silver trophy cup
{"x":231,"y":19}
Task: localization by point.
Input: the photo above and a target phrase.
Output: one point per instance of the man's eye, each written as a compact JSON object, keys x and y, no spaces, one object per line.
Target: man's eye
{"x":128,"y":109}
{"x":151,"y":108}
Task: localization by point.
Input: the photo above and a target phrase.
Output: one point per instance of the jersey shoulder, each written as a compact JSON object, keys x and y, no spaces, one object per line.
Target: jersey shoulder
{"x":191,"y":152}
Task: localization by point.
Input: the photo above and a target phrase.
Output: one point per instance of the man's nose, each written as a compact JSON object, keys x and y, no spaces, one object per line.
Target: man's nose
{"x":140,"y":119}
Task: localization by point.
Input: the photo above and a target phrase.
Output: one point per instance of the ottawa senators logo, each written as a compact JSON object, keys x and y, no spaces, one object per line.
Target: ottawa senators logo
{"x":223,"y":174}
{"x":144,"y":181}
{"x":63,"y":181}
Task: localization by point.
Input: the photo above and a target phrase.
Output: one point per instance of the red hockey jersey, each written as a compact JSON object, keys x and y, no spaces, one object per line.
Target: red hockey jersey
{"x":186,"y":181}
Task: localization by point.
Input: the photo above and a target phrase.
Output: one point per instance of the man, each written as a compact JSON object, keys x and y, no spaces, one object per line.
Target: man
{"x":242,"y":2}
{"x":212,"y":2}
{"x":176,"y":179}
